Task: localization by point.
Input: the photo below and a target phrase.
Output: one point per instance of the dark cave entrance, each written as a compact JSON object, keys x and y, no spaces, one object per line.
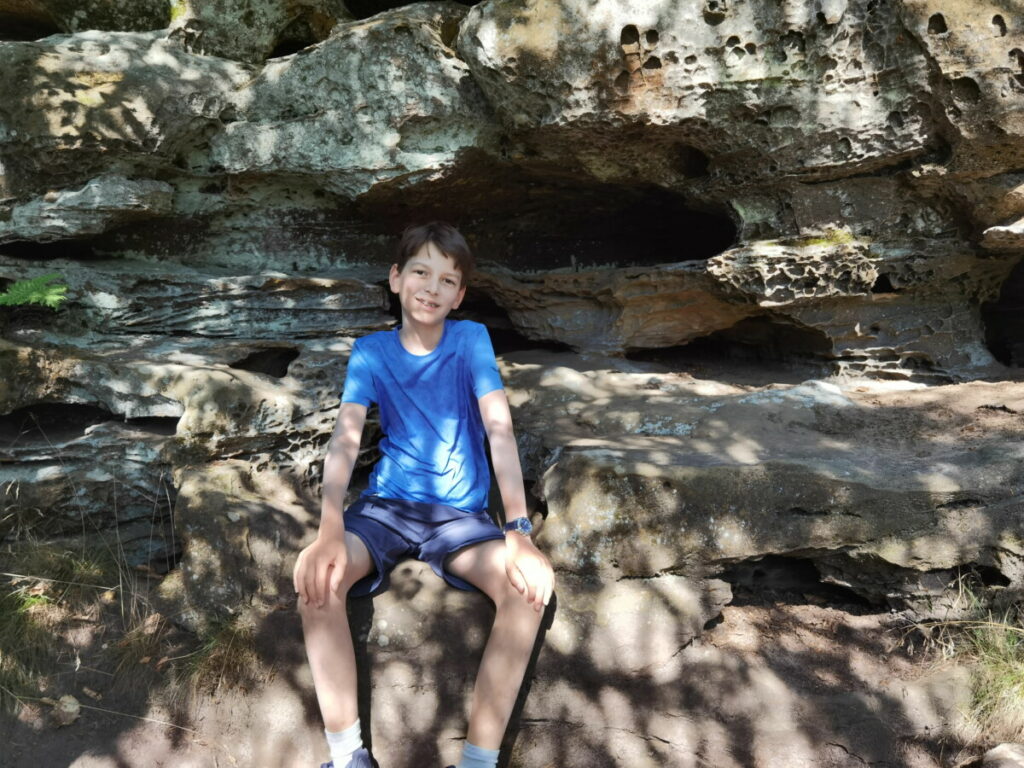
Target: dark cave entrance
{"x":613,"y":227}
{"x":779,"y":350}
{"x":1004,"y":320}
{"x":538,"y":221}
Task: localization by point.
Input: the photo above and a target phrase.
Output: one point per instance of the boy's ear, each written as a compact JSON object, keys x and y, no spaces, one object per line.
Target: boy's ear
{"x":461,"y":296}
{"x":393,"y":278}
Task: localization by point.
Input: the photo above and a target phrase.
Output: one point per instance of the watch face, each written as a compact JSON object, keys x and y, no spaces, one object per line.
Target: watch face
{"x":520,"y":525}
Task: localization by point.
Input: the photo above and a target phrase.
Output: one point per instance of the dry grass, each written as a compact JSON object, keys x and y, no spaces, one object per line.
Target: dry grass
{"x":991,"y":645}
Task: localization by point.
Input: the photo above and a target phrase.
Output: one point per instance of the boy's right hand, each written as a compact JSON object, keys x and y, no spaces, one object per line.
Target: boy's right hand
{"x":319,"y":569}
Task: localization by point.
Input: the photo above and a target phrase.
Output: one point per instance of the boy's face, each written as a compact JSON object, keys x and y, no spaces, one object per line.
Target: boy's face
{"x":428,"y":287}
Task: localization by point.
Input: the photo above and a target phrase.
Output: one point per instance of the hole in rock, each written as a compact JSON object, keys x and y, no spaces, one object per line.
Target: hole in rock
{"x":937,"y":24}
{"x":714,"y":12}
{"x":651,"y":38}
{"x":44,"y":423}
{"x":1017,"y":58}
{"x":883,"y":284}
{"x":363,"y":9}
{"x":79,"y":250}
{"x":1000,"y":24}
{"x":288,"y":46}
{"x":630,"y":35}
{"x":505,"y":338}
{"x":988,"y":575}
{"x":792,"y":580}
{"x":1004,"y":320}
{"x":965,"y":89}
{"x":14,"y":28}
{"x":273,"y":361}
{"x":653,"y":62}
{"x":756,"y":350}
{"x":691,"y":162}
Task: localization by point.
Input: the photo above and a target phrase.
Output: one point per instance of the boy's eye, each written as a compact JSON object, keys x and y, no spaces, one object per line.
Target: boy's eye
{"x":449,"y":281}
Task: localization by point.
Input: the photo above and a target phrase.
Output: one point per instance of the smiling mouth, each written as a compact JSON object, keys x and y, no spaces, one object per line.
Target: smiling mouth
{"x":428,"y":304}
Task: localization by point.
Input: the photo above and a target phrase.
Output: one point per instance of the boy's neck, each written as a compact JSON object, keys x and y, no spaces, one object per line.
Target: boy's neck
{"x":420,"y":339}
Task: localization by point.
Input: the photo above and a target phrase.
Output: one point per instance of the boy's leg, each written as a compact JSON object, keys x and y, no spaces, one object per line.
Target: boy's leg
{"x":509,"y":645}
{"x":329,"y":648}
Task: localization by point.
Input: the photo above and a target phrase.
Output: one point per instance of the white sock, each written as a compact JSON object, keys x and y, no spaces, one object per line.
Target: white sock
{"x":343,"y":743}
{"x":477,"y":757}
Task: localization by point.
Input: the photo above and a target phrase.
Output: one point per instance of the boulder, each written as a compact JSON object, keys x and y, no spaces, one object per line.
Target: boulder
{"x":353,"y":118}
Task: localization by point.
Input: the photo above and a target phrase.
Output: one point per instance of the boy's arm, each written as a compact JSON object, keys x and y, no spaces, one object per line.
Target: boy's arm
{"x":527,"y":567}
{"x":314,"y":563}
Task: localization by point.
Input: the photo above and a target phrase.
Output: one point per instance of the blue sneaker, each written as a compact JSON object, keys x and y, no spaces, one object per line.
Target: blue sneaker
{"x":360,"y":759}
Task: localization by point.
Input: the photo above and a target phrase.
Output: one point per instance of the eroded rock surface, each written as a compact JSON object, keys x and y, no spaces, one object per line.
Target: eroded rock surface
{"x":832,"y":185}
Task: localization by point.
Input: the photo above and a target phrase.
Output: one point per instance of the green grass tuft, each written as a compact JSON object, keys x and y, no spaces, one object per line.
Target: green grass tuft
{"x":991,"y":645}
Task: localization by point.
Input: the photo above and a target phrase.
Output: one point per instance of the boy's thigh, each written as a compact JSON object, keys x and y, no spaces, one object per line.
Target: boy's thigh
{"x":359,"y":563}
{"x":482,"y":565}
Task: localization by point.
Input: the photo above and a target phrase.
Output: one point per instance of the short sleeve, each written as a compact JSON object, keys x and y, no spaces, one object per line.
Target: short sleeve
{"x":359,"y":386}
{"x":482,"y":365}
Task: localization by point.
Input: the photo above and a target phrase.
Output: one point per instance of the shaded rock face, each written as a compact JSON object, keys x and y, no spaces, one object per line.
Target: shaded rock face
{"x":649,"y":187}
{"x":847,"y":169}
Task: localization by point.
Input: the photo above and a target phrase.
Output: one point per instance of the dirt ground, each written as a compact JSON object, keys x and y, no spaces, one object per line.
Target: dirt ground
{"x":830,"y":657}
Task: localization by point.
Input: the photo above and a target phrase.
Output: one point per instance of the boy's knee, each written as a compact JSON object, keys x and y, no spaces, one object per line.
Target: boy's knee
{"x":310,"y":611}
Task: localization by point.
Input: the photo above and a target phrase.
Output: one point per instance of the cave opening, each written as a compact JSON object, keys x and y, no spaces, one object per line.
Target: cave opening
{"x":272,"y":361}
{"x":604,"y":226}
{"x":772,"y":350}
{"x":542,"y":219}
{"x":1004,"y":320}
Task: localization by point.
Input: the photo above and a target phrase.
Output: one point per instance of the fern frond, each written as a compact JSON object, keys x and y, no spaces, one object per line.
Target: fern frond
{"x":34,"y":291}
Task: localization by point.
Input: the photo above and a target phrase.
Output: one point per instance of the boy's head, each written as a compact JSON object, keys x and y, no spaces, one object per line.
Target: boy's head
{"x":430,"y":274}
{"x":442,"y":236}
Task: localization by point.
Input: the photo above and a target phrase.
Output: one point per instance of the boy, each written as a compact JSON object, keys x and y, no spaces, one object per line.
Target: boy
{"x":439,"y":392}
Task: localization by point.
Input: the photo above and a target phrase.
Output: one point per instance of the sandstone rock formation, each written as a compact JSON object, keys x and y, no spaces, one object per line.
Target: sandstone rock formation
{"x":833,"y":185}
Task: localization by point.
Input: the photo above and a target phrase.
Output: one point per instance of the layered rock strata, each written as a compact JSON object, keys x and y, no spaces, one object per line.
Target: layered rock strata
{"x":220,"y":186}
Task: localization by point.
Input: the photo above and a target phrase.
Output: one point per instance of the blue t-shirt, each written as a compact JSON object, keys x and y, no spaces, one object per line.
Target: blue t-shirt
{"x":433,"y":445}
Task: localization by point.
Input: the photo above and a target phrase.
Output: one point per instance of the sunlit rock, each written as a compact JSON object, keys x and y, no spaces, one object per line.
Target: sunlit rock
{"x":101,"y":204}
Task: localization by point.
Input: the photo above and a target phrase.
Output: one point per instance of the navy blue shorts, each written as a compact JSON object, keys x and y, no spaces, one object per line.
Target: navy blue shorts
{"x":396,"y":529}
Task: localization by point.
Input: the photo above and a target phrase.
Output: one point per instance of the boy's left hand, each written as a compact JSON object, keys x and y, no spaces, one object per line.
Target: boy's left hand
{"x":529,"y":570}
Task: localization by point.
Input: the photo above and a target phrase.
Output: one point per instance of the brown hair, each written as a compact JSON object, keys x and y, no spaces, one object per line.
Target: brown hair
{"x":443,"y":235}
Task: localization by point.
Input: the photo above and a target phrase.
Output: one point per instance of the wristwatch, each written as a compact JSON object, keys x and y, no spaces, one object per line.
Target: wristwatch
{"x":519,"y":525}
